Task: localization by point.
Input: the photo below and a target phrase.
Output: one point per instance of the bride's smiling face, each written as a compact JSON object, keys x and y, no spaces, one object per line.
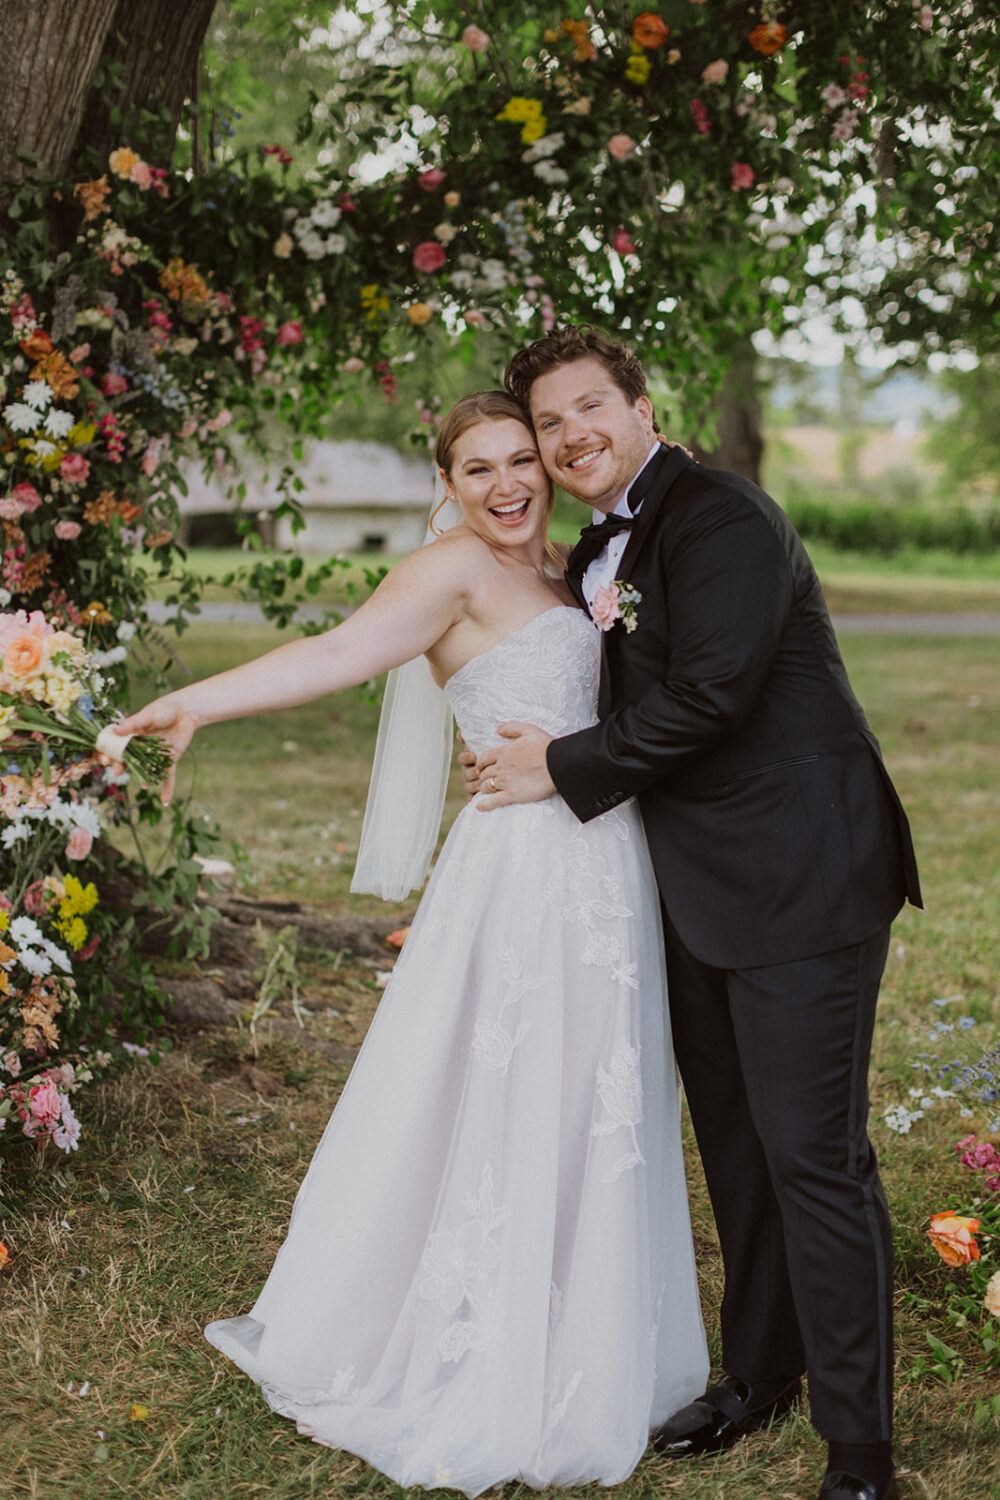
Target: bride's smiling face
{"x":497,"y":477}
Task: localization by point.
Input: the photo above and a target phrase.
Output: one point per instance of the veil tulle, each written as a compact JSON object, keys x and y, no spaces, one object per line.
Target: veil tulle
{"x":411,"y":766}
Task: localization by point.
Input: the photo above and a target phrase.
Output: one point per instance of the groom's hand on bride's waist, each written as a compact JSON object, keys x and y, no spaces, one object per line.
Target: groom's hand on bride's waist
{"x":515,"y":771}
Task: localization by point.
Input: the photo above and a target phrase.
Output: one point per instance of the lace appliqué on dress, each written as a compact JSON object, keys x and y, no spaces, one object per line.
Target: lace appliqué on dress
{"x":493,"y":1045}
{"x":460,"y":1269}
{"x":619,"y":1089}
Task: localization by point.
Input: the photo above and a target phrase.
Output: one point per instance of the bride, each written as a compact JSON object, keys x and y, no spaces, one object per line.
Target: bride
{"x":488,"y":1273}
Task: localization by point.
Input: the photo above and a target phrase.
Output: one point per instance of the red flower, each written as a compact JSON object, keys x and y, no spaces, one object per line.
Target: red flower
{"x":429,"y":256}
{"x":289,"y":333}
{"x":743,"y":176}
{"x":431,"y":179}
{"x":622,"y":242}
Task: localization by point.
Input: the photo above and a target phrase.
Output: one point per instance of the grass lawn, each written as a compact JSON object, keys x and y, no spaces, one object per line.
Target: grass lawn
{"x":177,"y":1201}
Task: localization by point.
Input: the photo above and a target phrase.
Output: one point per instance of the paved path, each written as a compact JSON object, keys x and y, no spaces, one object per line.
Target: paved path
{"x":217,"y":612}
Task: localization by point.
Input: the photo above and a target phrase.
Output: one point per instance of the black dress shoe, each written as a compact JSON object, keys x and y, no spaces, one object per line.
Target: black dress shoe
{"x":719,"y":1418}
{"x":840,"y":1486}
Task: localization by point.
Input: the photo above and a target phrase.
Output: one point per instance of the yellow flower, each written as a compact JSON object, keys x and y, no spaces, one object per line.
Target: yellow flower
{"x":138,"y":1412}
{"x":533,"y":130}
{"x":123,"y":160}
{"x":419,"y":313}
{"x":4,"y":924}
{"x":82,"y":433}
{"x":79,"y":898}
{"x":97,"y":614}
{"x":638,"y":67}
{"x":74,"y":930}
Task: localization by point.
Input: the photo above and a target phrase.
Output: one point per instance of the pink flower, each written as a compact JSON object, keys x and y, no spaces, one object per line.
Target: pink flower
{"x":353,"y":366}
{"x":151,"y":458}
{"x":79,"y":844}
{"x":431,"y":179}
{"x":621,"y":147}
{"x":622,"y":242}
{"x":699,"y":114}
{"x":429,"y":256}
{"x":142,"y":176}
{"x":475,"y":39}
{"x":79,"y":354}
{"x":75,"y":469}
{"x":12,"y":1063}
{"x":743,"y":176}
{"x":27,"y":497}
{"x":45,"y":1103}
{"x":926,"y":17}
{"x":289,"y":333}
{"x":716,"y":71}
{"x":67,"y":531}
{"x":113,"y":384}
{"x":605,"y":609}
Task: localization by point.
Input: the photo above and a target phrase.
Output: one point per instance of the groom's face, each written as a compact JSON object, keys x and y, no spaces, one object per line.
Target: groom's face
{"x":592,"y":439}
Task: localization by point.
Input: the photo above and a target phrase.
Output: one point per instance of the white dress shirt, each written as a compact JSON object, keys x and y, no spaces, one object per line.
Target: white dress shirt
{"x":604,"y":568}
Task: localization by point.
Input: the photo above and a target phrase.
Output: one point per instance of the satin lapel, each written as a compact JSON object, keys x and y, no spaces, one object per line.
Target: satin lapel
{"x":669,"y":464}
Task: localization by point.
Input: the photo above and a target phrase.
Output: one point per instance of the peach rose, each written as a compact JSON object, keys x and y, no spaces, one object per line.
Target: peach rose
{"x":45,"y":1103}
{"x":605,"y":609}
{"x":124,"y":161}
{"x":79,"y":844}
{"x":621,"y":147}
{"x":419,"y":313}
{"x":142,"y":176}
{"x":23,"y":656}
{"x":650,"y":30}
{"x":716,"y":71}
{"x":67,"y":531}
{"x":954,"y":1238}
{"x":991,"y":1301}
{"x":475,"y":38}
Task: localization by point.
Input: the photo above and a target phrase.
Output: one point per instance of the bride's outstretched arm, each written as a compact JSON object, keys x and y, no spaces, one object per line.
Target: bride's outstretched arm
{"x":412,"y":608}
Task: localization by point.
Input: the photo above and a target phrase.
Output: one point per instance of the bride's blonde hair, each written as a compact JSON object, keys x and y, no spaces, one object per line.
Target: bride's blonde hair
{"x":469,"y":411}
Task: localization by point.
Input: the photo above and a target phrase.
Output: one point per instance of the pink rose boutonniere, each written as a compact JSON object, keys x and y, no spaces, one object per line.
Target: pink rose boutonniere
{"x":616,"y":601}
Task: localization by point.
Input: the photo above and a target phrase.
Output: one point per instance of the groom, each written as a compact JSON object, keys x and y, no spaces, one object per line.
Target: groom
{"x":781,"y":852}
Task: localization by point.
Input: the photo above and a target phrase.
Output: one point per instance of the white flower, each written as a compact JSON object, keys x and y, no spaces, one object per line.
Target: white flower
{"x":445,"y":233}
{"x":846,"y":125}
{"x":547,"y":145}
{"x":550,"y":173}
{"x":37,"y":394}
{"x":35,"y":963}
{"x":5,"y":597}
{"x":43,"y":448}
{"x":833,"y":96}
{"x":325,"y":214}
{"x":21,"y":417}
{"x":57,"y":956}
{"x":67,"y":1134}
{"x":59,"y":423}
{"x":462,"y":280}
{"x":13,"y":834}
{"x":25,"y":931}
{"x":900,"y":1119}
{"x":125,"y":631}
{"x":494,"y":274}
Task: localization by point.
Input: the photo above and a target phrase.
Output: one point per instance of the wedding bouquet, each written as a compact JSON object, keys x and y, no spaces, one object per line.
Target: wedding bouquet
{"x":52,"y":692}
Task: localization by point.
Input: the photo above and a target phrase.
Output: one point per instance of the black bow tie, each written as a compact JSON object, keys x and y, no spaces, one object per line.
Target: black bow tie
{"x":594,"y":539}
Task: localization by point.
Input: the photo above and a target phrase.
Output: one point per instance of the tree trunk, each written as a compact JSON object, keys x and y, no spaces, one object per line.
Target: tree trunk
{"x":739,"y":445}
{"x":151,"y":62}
{"x":50,"y":49}
{"x":56,"y":102}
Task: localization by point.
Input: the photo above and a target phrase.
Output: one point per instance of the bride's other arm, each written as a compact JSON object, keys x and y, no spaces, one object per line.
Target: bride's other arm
{"x":412,"y":608}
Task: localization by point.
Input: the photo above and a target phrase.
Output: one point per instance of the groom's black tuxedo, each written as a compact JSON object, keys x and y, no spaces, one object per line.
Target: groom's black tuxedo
{"x":774,"y":829}
{"x":782,"y":853}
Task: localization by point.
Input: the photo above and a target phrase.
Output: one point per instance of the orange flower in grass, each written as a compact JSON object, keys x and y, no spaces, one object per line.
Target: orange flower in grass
{"x":768,"y":38}
{"x":24,"y":655}
{"x":650,"y":30}
{"x":954,"y":1238}
{"x":4,"y":1255}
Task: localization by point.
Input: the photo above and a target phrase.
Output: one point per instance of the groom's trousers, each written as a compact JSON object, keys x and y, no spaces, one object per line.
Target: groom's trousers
{"x":774,"y":1062}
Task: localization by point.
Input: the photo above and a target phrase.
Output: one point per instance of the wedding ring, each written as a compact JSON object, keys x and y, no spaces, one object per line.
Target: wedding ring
{"x":493,"y":784}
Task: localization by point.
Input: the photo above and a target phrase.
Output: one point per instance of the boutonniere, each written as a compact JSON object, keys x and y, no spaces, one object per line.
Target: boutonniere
{"x":616,"y":601}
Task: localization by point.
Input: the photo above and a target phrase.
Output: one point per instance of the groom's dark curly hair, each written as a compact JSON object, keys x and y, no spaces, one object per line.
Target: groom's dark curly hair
{"x":563,"y":346}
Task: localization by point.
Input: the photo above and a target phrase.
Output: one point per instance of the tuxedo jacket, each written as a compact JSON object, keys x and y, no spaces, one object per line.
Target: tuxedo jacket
{"x":774,"y":829}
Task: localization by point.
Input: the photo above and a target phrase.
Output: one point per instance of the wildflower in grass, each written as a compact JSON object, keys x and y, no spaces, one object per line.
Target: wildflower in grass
{"x":954,"y":1238}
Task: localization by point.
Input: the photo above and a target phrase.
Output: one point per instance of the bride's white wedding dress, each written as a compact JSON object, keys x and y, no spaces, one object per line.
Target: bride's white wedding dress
{"x":489,"y":1272}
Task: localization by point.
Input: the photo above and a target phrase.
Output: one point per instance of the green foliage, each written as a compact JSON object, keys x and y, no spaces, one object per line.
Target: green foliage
{"x":884,"y":529}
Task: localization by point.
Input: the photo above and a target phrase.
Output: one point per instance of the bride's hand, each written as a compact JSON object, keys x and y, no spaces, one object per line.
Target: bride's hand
{"x":169,"y":721}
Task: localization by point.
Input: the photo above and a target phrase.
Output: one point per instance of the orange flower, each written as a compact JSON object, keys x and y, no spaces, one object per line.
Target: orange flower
{"x":183,"y":283}
{"x":579,"y":34}
{"x":129,"y":511}
{"x":100,"y":511}
{"x":37,"y":344}
{"x":954,"y":1238}
{"x":4,"y":1254}
{"x":650,"y":30}
{"x":24,"y":655}
{"x":398,"y":938}
{"x":61,"y":376}
{"x":157,"y":539}
{"x":33,"y":571}
{"x":769,"y":37}
{"x":92,"y":195}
